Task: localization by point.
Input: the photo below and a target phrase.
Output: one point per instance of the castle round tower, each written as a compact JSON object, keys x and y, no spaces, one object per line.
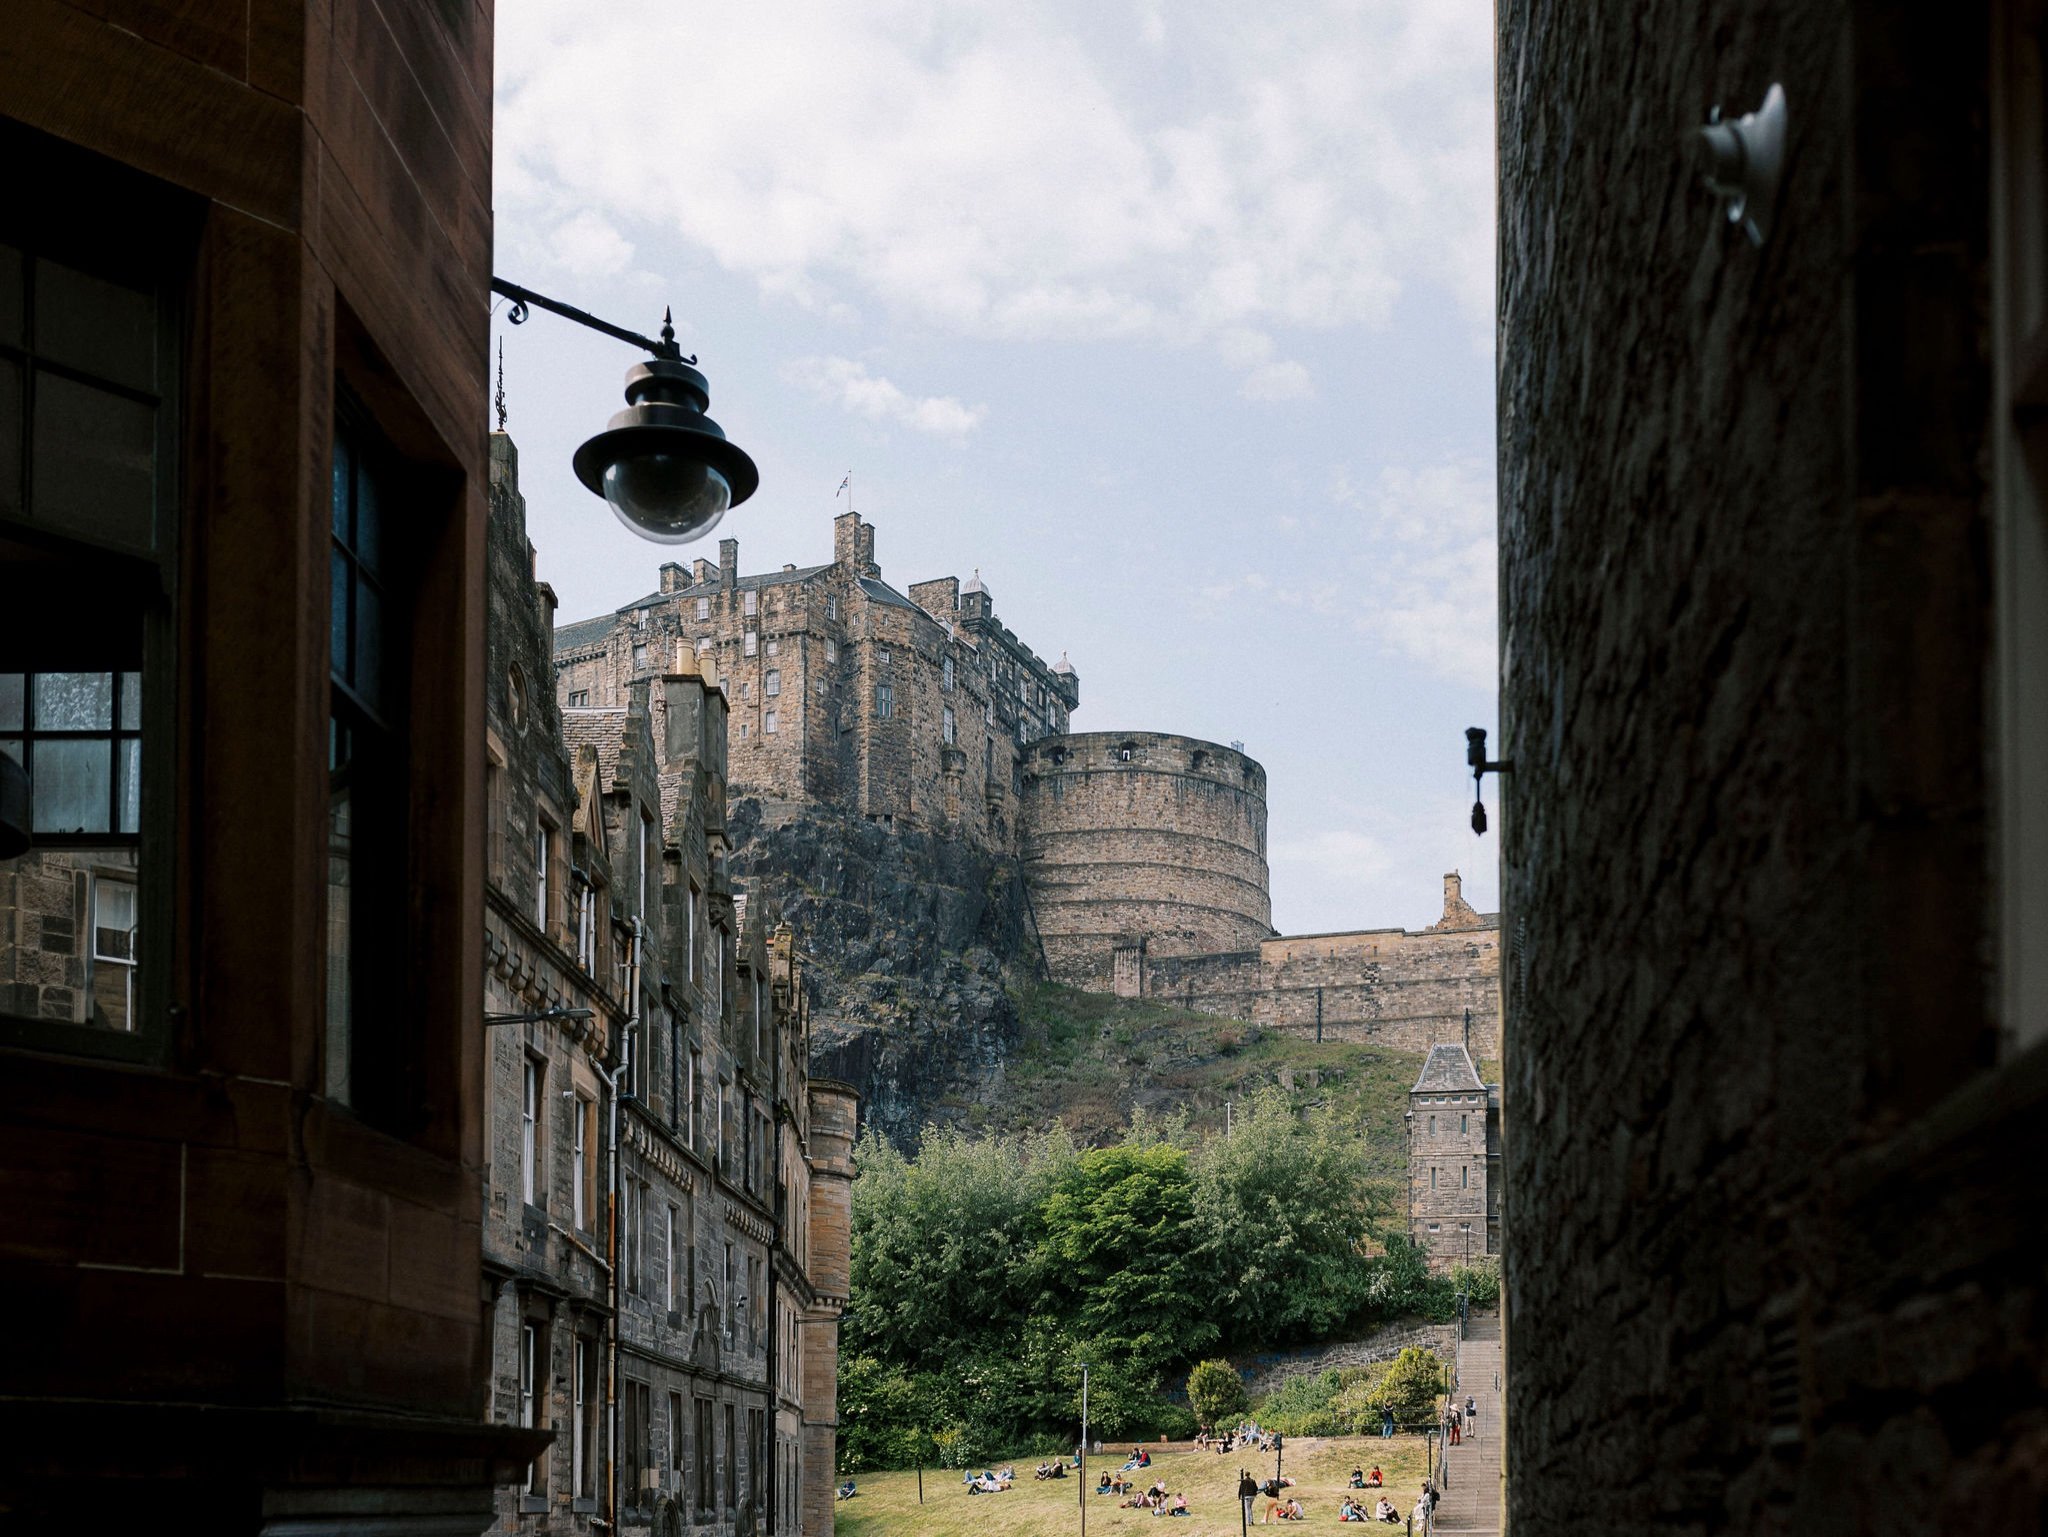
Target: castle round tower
{"x":1140,"y":843}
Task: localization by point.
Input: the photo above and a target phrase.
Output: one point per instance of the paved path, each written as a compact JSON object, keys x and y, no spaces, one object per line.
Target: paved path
{"x":1471,"y":1503}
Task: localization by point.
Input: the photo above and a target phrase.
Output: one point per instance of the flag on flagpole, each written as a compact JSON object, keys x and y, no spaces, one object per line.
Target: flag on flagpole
{"x":843,"y":485}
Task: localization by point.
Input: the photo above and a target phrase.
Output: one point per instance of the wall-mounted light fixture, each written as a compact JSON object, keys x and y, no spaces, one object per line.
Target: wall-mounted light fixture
{"x":1475,"y":756}
{"x":665,"y":468}
{"x":1743,"y":161}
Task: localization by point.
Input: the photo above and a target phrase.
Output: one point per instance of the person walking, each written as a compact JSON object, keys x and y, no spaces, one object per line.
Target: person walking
{"x":1247,"y":1491}
{"x":1471,"y":1416}
{"x":1386,"y":1424}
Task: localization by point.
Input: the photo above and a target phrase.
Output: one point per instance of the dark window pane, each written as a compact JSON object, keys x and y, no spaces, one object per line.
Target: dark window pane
{"x":95,"y":326}
{"x":131,"y":701}
{"x":342,"y":531}
{"x":10,"y":438}
{"x":369,"y":678}
{"x":74,"y":701}
{"x":337,"y":618}
{"x":10,"y":295}
{"x":128,"y":768}
{"x":369,"y":540}
{"x":11,"y":746}
{"x":12,"y":693}
{"x":95,"y":459}
{"x":73,"y":786}
{"x":340,"y":968}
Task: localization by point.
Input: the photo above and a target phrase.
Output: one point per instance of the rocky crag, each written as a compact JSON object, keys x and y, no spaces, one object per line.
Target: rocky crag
{"x":914,"y":945}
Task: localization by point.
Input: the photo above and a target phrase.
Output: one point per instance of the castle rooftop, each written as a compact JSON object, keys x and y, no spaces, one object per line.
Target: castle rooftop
{"x":1448,"y":1068}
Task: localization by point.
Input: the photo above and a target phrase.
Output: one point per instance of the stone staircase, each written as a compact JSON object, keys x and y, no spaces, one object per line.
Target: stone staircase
{"x":1471,"y":1501}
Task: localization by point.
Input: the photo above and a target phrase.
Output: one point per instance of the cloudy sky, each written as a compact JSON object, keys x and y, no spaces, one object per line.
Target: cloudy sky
{"x":1175,"y":320}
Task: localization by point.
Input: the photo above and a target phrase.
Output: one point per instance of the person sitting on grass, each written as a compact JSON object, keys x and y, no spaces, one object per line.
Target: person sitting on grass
{"x":1375,"y":1479}
{"x":1107,"y":1485}
{"x":1349,"y":1512}
{"x":846,"y":1490}
{"x":1285,"y":1510}
{"x":1180,"y":1506}
{"x":1059,"y":1468}
{"x":1135,"y":1502}
{"x":1385,"y":1512}
{"x":1357,"y":1478}
{"x":1041,"y":1472}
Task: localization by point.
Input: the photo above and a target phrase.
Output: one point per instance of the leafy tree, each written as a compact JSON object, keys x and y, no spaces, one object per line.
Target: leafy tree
{"x":1119,"y":1254}
{"x":1285,"y":1206}
{"x":1408,"y":1387}
{"x":1215,"y":1392}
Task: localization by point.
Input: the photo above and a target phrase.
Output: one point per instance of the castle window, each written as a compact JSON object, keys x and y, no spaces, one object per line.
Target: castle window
{"x":946,"y":674}
{"x":831,"y":651}
{"x":1432,"y":1178}
{"x":885,"y":700}
{"x":750,"y":602}
{"x":1124,"y":754}
{"x":1465,"y":1178}
{"x":1462,"y":1126}
{"x":703,"y":608}
{"x":578,"y":698}
{"x":768,"y":723}
{"x":1432,"y":1126}
{"x":639,"y":618}
{"x":883,"y":656}
{"x":1059,"y":756}
{"x":529,"y":1131}
{"x":831,"y":608}
{"x":743,"y":731}
{"x":751,"y":643}
{"x":772,"y":685}
{"x":640,"y":656}
{"x":946,"y":725}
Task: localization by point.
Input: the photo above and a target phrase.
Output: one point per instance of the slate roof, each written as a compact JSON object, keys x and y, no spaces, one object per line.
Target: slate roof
{"x":1448,"y":1069}
{"x":599,"y":726}
{"x":882,"y":592}
{"x":584,"y":632}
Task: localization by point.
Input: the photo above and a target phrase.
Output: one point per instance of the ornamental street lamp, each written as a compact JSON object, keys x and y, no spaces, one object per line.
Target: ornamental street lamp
{"x":665,"y":468}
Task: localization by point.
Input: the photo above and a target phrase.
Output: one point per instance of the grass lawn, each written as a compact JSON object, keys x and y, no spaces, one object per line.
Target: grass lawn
{"x":887,"y":1503}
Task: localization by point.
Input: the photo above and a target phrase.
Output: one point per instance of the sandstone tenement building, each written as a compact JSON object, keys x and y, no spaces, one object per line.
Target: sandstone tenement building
{"x":1453,"y":1159}
{"x":666,"y":1189}
{"x":843,"y":690}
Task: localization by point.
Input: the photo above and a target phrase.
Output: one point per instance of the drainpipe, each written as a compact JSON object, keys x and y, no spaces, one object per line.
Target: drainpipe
{"x":611,"y":1370}
{"x":778,"y":1208}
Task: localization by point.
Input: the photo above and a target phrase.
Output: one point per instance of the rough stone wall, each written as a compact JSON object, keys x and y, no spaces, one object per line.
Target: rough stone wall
{"x":1405,"y":990}
{"x":834,"y":1115}
{"x":1776,"y":1229}
{"x":1143,"y":833}
{"x":1265,"y":1372}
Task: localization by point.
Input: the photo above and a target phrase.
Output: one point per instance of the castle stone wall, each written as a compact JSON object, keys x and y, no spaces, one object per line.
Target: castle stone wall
{"x":1140,"y":833}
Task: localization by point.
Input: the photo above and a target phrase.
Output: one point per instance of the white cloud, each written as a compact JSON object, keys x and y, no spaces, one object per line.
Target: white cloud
{"x":848,"y":384}
{"x":1429,"y":575}
{"x":1021,"y":171}
{"x":588,"y":245}
{"x":1277,"y":381}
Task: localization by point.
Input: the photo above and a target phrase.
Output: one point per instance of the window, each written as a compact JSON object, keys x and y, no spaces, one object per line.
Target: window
{"x":1465,"y":1177}
{"x":1123,"y":755}
{"x":732,"y":1458}
{"x":366,"y":877}
{"x":831,"y":651}
{"x":750,"y":601}
{"x":533,"y":1398}
{"x":703,"y":608}
{"x":1432,"y":1178}
{"x":1462,"y":1128}
{"x":768,"y":723}
{"x":639,"y":656}
{"x":675,"y":1444}
{"x":743,"y":731}
{"x":885,"y":701}
{"x":670,"y":1256}
{"x":494,"y":817}
{"x":583,"y":1422}
{"x":638,"y":1436}
{"x":586,"y":925}
{"x":946,"y":727}
{"x":529,"y":1130}
{"x":543,"y":870}
{"x":772,"y":684}
{"x":831,"y":607}
{"x":751,"y":643}
{"x":882,"y":656}
{"x":1432,"y":1126}
{"x":696,"y":1093}
{"x":692,"y":925}
{"x":703,"y":644}
{"x":946,"y":674}
{"x":774,"y":646}
{"x":650,"y":852}
{"x":705,"y":1487}
{"x":580,"y":1201}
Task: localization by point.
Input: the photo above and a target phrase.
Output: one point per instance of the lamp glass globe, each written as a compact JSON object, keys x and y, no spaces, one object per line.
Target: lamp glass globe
{"x":668,"y":498}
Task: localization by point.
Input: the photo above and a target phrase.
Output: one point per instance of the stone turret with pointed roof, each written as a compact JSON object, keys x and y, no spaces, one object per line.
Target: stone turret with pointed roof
{"x":1453,"y":1142}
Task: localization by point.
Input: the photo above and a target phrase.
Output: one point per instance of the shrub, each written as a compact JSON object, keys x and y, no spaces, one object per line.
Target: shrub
{"x":1215,"y":1392}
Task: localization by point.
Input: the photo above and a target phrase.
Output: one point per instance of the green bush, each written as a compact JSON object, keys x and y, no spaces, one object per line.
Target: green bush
{"x":1303,"y":1406}
{"x":1480,"y":1282}
{"x":1215,"y":1392}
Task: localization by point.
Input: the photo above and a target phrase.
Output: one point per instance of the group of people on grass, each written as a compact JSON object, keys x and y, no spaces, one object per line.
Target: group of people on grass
{"x":989,"y":1481}
{"x":1247,"y":1433}
{"x":1154,"y":1499}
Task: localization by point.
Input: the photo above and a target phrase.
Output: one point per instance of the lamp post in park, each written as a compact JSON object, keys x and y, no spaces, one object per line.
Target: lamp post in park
{"x":666,"y":469}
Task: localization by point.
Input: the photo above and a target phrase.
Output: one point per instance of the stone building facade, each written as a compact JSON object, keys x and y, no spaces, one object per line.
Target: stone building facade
{"x":244,"y":263}
{"x":1453,"y":1159}
{"x":1404,"y":989}
{"x":843,"y":690}
{"x":1774,"y":609}
{"x":1142,"y":844}
{"x":667,"y":1252}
